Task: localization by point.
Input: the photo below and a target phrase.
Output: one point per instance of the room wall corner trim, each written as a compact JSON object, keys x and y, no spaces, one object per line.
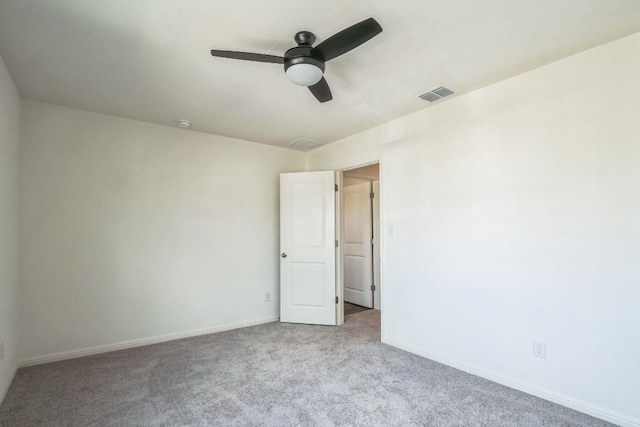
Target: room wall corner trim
{"x":106,"y":348}
{"x":4,"y":388}
{"x":569,"y":402}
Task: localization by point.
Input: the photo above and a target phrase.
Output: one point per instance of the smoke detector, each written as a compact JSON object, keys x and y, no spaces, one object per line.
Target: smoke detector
{"x":436,"y":94}
{"x":184,"y":124}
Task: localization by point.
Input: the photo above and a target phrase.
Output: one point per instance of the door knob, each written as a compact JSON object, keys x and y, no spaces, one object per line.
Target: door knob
{"x":284,"y":255}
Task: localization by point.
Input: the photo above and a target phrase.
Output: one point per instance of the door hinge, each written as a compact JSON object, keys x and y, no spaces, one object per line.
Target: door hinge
{"x":373,"y":287}
{"x":337,"y":300}
{"x":371,"y":195}
{"x":373,"y":242}
{"x":336,"y":187}
{"x":336,"y":243}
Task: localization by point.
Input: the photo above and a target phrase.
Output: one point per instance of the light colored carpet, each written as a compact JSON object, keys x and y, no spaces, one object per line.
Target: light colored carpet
{"x":271,"y":375}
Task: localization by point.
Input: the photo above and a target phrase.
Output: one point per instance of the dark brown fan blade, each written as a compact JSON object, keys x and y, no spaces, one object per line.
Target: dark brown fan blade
{"x":321,"y":91}
{"x":348,"y":39}
{"x":247,"y":56}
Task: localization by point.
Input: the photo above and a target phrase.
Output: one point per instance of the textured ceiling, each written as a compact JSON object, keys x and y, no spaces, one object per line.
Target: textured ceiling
{"x":149,"y":59}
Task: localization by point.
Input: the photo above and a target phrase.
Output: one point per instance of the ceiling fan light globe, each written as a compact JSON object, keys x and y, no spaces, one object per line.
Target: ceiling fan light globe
{"x":304,"y":74}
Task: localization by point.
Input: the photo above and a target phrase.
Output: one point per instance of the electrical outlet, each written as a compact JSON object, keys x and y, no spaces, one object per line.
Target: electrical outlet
{"x":1,"y":350}
{"x":540,"y":349}
{"x":267,"y":297}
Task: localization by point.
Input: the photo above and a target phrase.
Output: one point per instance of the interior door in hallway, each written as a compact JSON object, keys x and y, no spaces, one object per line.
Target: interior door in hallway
{"x":357,"y":258}
{"x":307,"y":248}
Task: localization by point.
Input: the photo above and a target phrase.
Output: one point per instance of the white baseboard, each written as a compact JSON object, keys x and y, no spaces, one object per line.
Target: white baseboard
{"x":4,"y":388}
{"x":569,"y":402}
{"x":55,"y":357}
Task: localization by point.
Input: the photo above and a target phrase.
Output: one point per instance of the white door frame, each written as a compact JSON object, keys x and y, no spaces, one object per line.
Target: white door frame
{"x":340,"y":239}
{"x":375,"y":187}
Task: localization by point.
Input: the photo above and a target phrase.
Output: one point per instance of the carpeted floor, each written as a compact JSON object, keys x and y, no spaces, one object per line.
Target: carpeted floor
{"x":271,"y":375}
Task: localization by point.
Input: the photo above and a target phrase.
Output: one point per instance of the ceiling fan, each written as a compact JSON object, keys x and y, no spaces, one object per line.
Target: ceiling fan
{"x":304,"y":64}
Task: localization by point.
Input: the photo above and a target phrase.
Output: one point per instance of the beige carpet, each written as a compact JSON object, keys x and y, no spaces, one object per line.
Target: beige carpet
{"x":271,"y":375}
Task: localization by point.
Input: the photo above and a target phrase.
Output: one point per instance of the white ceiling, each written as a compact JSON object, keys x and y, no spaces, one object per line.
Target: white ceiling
{"x":149,"y":59}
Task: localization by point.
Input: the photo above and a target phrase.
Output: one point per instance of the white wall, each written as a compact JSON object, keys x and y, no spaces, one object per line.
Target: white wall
{"x":132,"y":230}
{"x":516,"y":213}
{"x":9,"y":141}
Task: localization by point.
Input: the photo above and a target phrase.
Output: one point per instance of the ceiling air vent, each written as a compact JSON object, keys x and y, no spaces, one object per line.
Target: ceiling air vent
{"x":436,"y":94}
{"x":305,"y":144}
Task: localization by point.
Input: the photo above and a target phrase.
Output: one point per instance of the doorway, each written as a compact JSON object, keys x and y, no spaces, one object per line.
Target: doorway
{"x":359,"y":225}
{"x":311,"y":266}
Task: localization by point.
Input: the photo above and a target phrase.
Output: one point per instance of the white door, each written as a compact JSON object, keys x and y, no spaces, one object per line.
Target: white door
{"x":307,"y":248}
{"x":357,"y":245}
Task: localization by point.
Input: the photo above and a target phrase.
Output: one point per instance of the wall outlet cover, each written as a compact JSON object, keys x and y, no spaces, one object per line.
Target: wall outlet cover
{"x":540,"y":349}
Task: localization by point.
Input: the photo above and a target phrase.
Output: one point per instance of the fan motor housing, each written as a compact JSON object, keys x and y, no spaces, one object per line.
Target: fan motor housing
{"x":302,"y":55}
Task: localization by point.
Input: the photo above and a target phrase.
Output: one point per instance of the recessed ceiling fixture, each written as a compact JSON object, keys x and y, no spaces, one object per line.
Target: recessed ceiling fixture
{"x":304,"y":64}
{"x":436,"y":94}
{"x":184,"y":124}
{"x":305,"y":144}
